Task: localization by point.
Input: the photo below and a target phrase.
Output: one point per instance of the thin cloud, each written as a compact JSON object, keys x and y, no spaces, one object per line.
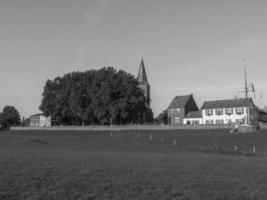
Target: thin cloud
{"x":256,"y":41}
{"x":252,"y":41}
{"x":92,"y":18}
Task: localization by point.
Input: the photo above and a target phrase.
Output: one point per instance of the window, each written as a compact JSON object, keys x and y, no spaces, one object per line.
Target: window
{"x":172,"y":110}
{"x":239,"y":111}
{"x":209,"y":112}
{"x":177,"y":120}
{"x":229,"y":121}
{"x":229,"y":111}
{"x":195,"y":122}
{"x":219,"y":111}
{"x":219,"y":121}
{"x":178,"y":110}
{"x":209,"y":121}
{"x":239,"y":121}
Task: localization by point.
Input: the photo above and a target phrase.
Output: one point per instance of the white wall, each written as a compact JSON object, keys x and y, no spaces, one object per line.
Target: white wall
{"x":45,"y":121}
{"x":200,"y":120}
{"x":225,"y":117}
{"x":40,"y":120}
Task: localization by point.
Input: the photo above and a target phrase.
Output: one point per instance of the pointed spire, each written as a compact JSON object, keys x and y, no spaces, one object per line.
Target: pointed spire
{"x":142,"y":78}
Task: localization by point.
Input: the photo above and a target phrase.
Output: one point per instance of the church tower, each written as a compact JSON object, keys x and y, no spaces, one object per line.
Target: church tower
{"x":143,"y":83}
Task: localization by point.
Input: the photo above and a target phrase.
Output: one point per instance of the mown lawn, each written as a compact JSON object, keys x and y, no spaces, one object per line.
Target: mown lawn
{"x":128,"y":165}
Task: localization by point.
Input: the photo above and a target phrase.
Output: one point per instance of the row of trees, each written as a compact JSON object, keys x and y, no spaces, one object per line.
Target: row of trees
{"x":9,"y":117}
{"x":104,"y":96}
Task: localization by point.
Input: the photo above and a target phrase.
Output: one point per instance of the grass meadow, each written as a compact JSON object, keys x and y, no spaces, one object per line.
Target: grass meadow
{"x":175,"y":164}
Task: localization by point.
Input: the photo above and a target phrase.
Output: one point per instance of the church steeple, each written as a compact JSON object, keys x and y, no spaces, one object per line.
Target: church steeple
{"x":143,"y":82}
{"x":142,"y":78}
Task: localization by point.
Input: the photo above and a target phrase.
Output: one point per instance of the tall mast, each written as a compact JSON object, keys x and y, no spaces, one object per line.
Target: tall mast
{"x":246,"y":83}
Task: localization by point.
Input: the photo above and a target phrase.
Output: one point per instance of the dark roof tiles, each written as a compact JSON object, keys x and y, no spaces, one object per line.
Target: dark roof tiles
{"x":227,"y":103}
{"x":194,"y":114}
{"x":36,"y":115}
{"x":142,"y":77}
{"x":179,"y":101}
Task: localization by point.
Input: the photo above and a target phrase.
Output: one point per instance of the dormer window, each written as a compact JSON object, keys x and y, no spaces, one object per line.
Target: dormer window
{"x":219,"y":111}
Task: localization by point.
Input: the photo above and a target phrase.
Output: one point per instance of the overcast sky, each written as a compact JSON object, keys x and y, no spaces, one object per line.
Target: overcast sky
{"x":188,"y":46}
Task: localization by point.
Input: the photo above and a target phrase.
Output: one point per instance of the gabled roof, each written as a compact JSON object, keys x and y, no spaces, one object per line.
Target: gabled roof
{"x":36,"y":115}
{"x":179,"y":101}
{"x":142,"y":78}
{"x":227,"y":103}
{"x":194,"y":114}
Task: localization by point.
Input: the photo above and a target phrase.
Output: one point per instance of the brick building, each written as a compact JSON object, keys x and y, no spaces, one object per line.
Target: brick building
{"x":180,"y":108}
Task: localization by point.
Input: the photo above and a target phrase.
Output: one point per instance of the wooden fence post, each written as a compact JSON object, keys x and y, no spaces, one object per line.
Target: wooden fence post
{"x":254,"y":149}
{"x":215,"y":146}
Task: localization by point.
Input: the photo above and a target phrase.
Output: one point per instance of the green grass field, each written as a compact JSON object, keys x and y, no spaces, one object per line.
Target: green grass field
{"x":128,"y":165}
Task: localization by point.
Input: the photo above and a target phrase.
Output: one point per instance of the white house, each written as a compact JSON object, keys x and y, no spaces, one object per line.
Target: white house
{"x":183,"y":110}
{"x":39,"y":120}
{"x":180,"y":107}
{"x":193,"y":118}
{"x":236,"y":111}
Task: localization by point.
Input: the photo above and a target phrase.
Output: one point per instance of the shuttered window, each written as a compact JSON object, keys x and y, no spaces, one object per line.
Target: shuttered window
{"x":209,"y":121}
{"x":219,"y":111}
{"x":209,"y":112}
{"x":219,"y":121}
{"x":229,"y":111}
{"x":239,"y":111}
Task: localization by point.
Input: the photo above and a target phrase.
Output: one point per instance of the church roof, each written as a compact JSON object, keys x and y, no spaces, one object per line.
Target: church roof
{"x":142,"y":78}
{"x":179,"y":101}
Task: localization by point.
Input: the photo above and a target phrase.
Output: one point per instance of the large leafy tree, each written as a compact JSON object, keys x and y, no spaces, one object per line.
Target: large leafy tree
{"x":9,"y":117}
{"x":104,"y":96}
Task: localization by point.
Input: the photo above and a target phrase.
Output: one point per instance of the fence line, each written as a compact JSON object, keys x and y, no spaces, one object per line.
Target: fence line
{"x":214,"y":147}
{"x":210,"y":148}
{"x":122,"y":127}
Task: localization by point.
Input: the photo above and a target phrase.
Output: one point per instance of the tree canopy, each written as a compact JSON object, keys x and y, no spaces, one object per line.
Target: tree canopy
{"x":162,"y":118}
{"x":9,"y":117}
{"x":104,"y":96}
